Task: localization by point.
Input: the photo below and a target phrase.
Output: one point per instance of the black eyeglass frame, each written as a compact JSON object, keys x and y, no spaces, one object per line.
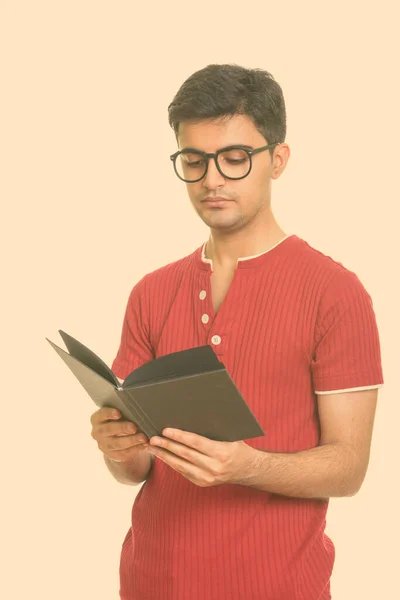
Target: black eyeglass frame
{"x":214,"y":155}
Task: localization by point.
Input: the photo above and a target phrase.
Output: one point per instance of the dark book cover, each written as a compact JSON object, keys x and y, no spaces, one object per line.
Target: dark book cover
{"x":189,"y":390}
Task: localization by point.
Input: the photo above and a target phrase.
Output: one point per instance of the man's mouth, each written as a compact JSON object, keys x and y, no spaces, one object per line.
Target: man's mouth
{"x":215,"y":201}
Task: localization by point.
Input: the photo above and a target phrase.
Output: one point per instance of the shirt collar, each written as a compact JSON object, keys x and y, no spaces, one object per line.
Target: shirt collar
{"x":246,"y":261}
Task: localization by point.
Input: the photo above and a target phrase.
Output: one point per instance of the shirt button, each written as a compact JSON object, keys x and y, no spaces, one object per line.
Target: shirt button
{"x":202,"y":294}
{"x":216,"y":340}
{"x":205,"y":318}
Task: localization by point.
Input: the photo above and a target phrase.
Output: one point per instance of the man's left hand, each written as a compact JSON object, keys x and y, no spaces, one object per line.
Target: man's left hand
{"x":202,"y":461}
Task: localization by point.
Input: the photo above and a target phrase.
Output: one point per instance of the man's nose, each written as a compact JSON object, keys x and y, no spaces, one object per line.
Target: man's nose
{"x":213,"y":178}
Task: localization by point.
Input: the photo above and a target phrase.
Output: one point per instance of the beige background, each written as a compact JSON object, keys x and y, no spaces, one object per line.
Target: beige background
{"x":89,"y":206}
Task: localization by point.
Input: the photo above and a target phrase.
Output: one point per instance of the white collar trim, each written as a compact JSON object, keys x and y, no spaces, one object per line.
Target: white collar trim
{"x":209,"y":260}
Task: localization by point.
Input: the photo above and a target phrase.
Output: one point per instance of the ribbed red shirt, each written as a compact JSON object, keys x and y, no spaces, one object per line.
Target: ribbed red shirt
{"x":294,"y":323}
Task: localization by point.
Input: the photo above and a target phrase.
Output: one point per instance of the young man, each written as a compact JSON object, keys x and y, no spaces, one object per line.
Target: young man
{"x":297,"y":332}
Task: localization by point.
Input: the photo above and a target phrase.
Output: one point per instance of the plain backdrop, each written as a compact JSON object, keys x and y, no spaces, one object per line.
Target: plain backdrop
{"x":90,"y":203}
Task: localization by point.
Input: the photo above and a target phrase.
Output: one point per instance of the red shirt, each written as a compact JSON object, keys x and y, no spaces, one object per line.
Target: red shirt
{"x":294,"y":323}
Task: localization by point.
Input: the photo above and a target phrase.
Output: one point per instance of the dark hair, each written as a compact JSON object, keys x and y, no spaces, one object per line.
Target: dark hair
{"x":226,"y":90}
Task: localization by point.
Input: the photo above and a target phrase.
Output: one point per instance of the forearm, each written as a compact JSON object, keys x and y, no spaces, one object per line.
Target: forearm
{"x":133,"y":472}
{"x":321,"y":472}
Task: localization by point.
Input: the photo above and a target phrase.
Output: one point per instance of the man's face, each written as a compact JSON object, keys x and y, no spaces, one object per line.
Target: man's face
{"x":246,"y":200}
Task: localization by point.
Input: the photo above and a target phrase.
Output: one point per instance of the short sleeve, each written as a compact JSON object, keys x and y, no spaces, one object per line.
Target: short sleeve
{"x":347,"y":348}
{"x":135,"y":348}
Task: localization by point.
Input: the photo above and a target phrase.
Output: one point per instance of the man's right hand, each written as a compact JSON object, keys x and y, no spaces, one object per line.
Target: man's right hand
{"x":119,"y":440}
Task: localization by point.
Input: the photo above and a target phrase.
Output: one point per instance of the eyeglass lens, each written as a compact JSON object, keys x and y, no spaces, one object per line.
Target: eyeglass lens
{"x":234,"y":163}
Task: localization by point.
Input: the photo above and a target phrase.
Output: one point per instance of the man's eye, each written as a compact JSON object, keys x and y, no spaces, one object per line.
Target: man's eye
{"x":235,"y":161}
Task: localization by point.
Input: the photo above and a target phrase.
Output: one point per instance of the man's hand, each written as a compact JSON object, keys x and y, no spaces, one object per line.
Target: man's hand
{"x":119,"y":440}
{"x":202,"y":461}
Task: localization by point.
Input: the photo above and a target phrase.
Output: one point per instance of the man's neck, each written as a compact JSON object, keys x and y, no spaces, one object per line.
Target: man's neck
{"x":225,"y":250}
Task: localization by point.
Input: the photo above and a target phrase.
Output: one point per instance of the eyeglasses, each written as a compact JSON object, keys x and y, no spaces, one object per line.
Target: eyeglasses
{"x":233,"y":162}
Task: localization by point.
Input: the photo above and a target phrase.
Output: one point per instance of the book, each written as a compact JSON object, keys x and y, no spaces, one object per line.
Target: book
{"x":189,"y":390}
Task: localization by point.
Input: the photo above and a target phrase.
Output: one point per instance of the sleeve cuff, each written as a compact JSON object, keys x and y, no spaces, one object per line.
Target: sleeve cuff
{"x":354,"y":389}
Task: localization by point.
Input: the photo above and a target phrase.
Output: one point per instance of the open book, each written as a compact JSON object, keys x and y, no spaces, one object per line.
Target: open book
{"x":189,"y":390}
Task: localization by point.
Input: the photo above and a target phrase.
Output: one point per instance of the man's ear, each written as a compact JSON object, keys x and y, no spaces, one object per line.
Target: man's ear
{"x":280,"y":160}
